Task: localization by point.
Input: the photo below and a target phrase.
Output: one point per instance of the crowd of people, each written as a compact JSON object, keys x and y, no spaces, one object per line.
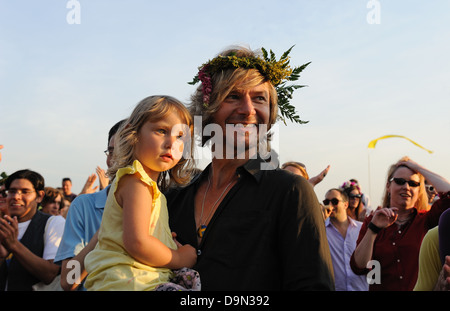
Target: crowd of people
{"x":242,"y":223}
{"x":415,"y":202}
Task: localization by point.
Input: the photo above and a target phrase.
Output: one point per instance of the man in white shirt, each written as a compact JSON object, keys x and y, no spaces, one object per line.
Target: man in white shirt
{"x":342,"y":233}
{"x":29,"y":239}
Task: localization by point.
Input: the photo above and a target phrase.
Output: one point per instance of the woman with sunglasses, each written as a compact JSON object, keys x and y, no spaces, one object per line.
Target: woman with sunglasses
{"x":356,"y":209}
{"x":390,"y":238}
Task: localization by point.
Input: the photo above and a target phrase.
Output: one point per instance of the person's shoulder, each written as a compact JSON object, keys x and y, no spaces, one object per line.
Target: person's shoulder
{"x":432,"y":234}
{"x":175,"y":191}
{"x":83,"y":200}
{"x":56,"y":221}
{"x":284,"y":177}
{"x":355,"y":223}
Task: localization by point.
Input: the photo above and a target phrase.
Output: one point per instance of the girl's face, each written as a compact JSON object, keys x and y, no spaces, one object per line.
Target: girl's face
{"x":160,"y":144}
{"x":353,"y":199}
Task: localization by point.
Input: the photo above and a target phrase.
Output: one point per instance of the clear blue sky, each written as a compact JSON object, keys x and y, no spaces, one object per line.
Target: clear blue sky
{"x":62,"y":86}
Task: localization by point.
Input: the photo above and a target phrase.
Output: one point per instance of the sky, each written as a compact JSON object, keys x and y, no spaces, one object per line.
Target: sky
{"x":377,"y":68}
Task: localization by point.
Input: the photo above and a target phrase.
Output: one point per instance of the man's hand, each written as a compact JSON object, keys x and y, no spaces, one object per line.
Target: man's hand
{"x":443,"y":283}
{"x":89,"y":185}
{"x":317,"y":179}
{"x":9,"y":231}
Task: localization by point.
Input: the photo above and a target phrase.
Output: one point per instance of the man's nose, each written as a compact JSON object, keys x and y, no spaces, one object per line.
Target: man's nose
{"x":246,"y":105}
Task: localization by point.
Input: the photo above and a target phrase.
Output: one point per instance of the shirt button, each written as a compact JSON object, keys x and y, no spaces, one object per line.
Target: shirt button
{"x":398,"y":260}
{"x":199,"y":252}
{"x":401,"y":277}
{"x":399,"y":231}
{"x":393,"y":243}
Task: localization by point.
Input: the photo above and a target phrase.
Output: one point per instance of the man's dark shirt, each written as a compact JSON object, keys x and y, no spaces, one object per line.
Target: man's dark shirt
{"x":268,"y":233}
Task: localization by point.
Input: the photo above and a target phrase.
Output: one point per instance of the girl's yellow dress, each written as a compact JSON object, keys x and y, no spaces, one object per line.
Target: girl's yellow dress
{"x":109,"y":266}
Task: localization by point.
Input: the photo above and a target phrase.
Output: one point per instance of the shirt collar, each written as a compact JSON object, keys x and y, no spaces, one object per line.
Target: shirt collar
{"x":101,"y":196}
{"x":351,"y":221}
{"x":253,"y":167}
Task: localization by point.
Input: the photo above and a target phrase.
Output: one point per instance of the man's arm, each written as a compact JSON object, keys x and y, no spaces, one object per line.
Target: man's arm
{"x":44,"y":270}
{"x":68,"y":283}
{"x":305,"y":250}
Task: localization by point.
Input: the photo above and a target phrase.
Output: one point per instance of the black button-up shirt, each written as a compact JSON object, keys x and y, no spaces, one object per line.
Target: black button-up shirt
{"x":267,"y":233}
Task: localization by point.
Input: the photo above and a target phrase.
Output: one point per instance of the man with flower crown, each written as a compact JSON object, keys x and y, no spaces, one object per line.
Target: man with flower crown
{"x":255,"y":226}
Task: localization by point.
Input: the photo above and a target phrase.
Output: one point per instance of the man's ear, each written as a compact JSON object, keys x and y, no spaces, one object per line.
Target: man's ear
{"x":40,"y":196}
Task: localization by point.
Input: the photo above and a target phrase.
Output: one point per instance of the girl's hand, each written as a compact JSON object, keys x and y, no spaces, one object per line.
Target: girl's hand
{"x":188,"y":255}
{"x":384,"y":217}
{"x":174,"y":237}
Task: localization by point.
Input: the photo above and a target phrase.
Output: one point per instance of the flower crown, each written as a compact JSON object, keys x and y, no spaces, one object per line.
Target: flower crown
{"x":271,"y":69}
{"x":349,"y":184}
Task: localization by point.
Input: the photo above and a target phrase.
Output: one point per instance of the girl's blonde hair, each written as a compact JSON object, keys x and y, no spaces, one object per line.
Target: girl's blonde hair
{"x":227,"y":81}
{"x":422,"y":201}
{"x":153,"y":109}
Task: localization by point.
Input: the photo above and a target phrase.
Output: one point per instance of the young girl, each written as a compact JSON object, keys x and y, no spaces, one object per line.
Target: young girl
{"x":135,"y":249}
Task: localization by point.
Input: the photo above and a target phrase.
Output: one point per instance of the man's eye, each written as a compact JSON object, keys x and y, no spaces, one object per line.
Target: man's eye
{"x":233,"y":96}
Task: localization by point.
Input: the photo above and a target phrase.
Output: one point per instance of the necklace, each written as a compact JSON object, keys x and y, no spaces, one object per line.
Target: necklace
{"x":401,"y":222}
{"x":202,"y":228}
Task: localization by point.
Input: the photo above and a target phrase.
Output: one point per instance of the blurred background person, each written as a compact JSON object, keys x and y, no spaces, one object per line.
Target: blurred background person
{"x":67,"y":189}
{"x":52,"y":201}
{"x":83,"y":220}
{"x":356,"y":209}
{"x":300,"y":169}
{"x":342,"y":233}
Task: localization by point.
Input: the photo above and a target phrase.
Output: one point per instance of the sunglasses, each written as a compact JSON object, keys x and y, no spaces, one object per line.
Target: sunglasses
{"x":402,"y":181}
{"x":333,"y":201}
{"x":352,"y":196}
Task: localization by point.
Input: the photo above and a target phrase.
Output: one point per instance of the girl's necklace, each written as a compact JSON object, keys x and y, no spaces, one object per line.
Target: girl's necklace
{"x":202,"y":228}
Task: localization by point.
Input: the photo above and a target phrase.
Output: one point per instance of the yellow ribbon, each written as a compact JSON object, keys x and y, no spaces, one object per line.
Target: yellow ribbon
{"x":374,"y":142}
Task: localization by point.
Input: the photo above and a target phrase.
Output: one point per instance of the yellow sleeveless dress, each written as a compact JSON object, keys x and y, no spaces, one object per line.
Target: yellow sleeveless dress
{"x":109,"y":266}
